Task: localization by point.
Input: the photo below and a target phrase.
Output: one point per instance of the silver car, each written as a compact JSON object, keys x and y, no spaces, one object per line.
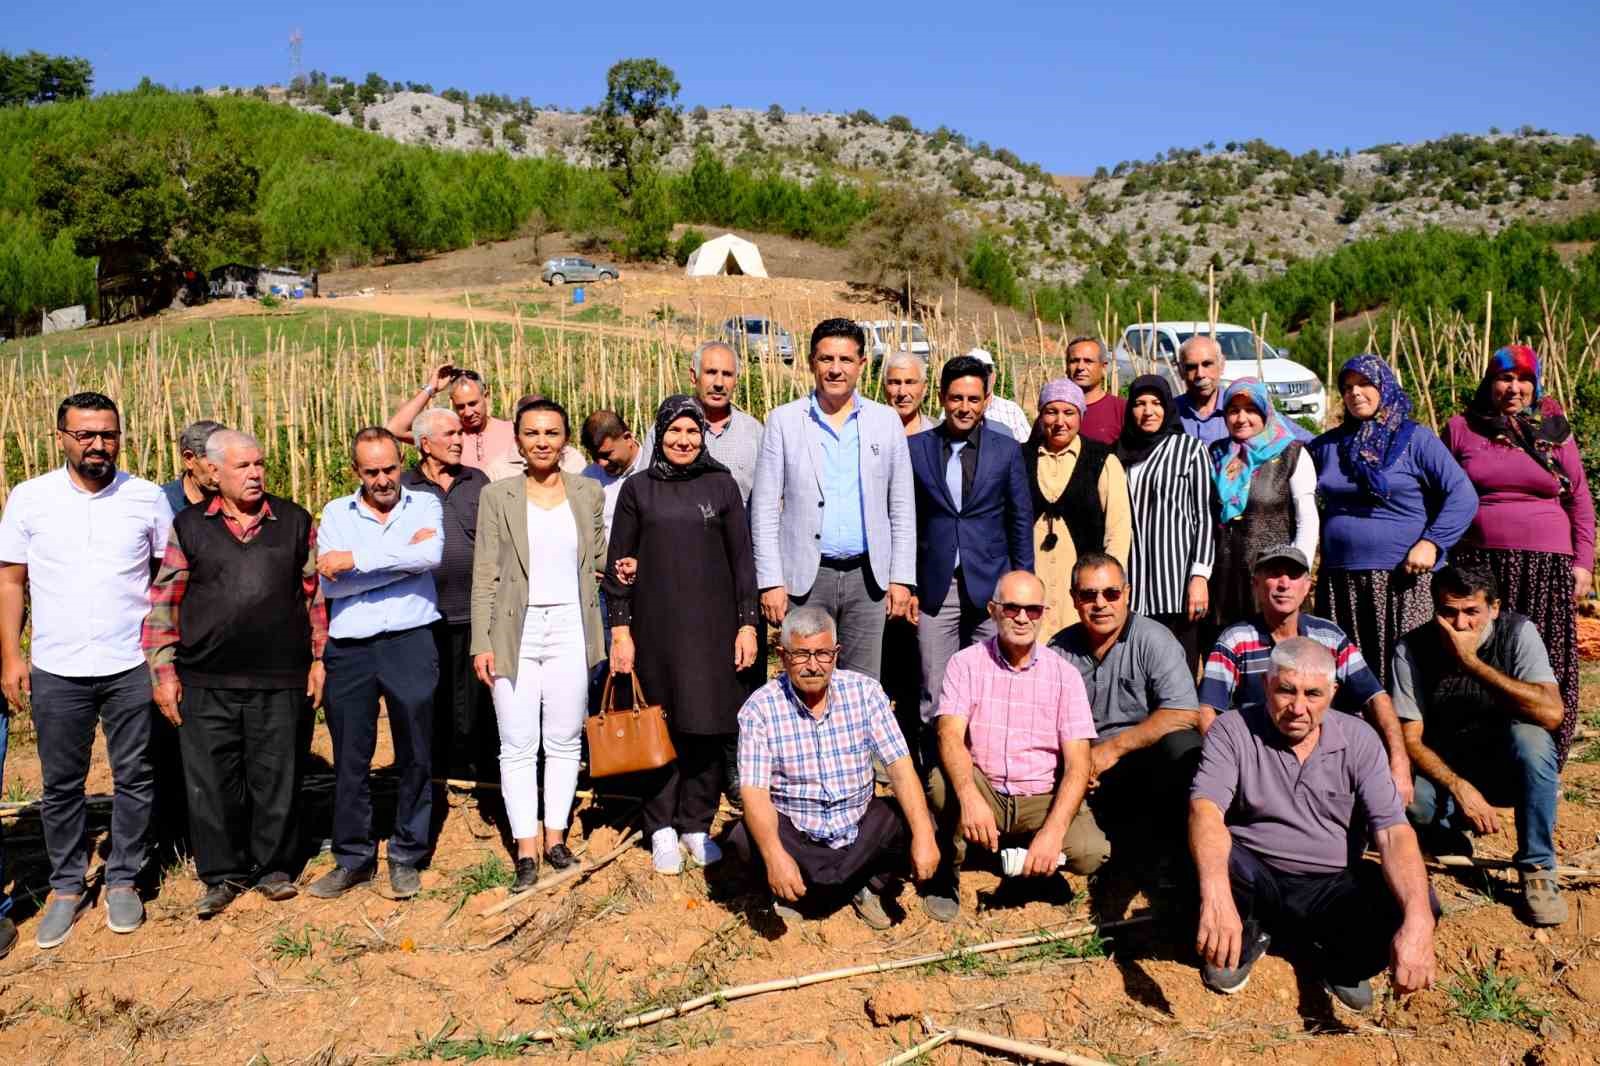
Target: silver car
{"x":759,"y":336}
{"x":565,"y":268}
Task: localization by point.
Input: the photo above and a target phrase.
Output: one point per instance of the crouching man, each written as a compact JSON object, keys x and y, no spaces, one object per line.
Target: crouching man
{"x":1478,"y":680}
{"x":1277,"y":845}
{"x":806,"y":742}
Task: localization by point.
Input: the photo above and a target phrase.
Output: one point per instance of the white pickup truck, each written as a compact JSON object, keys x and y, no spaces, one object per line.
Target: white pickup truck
{"x":1296,"y":391}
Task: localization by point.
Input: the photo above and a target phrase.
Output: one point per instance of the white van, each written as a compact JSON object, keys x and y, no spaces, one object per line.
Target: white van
{"x":882,"y":339}
{"x":1296,"y":390}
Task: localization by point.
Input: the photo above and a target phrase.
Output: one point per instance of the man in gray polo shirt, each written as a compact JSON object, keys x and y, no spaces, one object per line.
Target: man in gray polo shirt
{"x":1282,"y":806}
{"x":1146,"y":714}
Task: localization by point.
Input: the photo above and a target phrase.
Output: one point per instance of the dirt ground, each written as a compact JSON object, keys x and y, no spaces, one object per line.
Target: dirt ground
{"x":367,"y":979}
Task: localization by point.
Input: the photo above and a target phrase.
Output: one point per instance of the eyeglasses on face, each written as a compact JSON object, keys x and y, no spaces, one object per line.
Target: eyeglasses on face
{"x":1110,"y":595}
{"x":1034,"y":611}
{"x":87,"y":436}
{"x":823,"y":656}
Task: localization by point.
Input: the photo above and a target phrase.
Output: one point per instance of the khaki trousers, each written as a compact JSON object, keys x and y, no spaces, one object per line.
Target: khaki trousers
{"x":1016,"y":817}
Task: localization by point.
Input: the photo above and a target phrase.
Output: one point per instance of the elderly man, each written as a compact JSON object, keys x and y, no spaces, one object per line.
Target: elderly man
{"x":974,"y":523}
{"x":197,"y":483}
{"x":234,"y":640}
{"x":1014,"y":729}
{"x":806,"y":744}
{"x":487,"y":443}
{"x":1283,"y":804}
{"x":1103,"y":411}
{"x":1236,"y":669}
{"x":905,"y":386}
{"x":1146,"y":714}
{"x":1478,"y":705}
{"x":377,"y":551}
{"x":832,"y":512}
{"x":1001,"y":415}
{"x":1200,"y":407}
{"x":81,"y":542}
{"x":733,"y":437}
{"x":617,"y":456}
{"x":465,"y":741}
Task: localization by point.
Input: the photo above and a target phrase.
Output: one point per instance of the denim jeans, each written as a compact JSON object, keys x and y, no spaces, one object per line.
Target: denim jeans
{"x":856,"y":604}
{"x":1514,"y":767}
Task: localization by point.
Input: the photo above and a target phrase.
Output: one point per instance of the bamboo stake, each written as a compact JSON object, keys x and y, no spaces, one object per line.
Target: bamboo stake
{"x":911,"y":1054}
{"x":1037,"y":1052}
{"x":565,"y":876}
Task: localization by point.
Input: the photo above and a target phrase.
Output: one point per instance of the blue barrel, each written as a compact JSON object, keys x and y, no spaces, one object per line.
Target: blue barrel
{"x":577,"y":295}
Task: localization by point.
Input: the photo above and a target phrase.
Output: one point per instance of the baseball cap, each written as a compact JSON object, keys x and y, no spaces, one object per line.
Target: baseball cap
{"x":1286,"y":551}
{"x":982,"y":356}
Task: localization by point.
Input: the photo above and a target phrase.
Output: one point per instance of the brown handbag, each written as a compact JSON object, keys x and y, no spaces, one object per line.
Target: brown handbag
{"x":627,"y":741}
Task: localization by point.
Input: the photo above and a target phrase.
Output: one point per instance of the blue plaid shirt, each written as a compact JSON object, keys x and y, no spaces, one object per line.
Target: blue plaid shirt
{"x":819,"y":770}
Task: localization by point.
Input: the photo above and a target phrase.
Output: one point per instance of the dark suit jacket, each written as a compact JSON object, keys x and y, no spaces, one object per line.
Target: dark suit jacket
{"x":994,"y":527}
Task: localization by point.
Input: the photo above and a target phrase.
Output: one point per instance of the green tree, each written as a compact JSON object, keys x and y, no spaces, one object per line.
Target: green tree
{"x":637,"y":121}
{"x":36,"y":78}
{"x":909,"y":241}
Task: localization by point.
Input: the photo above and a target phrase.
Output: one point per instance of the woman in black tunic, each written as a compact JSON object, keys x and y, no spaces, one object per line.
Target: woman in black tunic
{"x":686,"y":622}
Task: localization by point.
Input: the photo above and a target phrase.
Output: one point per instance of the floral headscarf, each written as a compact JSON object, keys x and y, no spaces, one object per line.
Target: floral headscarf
{"x":1538,"y":429}
{"x":1368,"y":447}
{"x":1235,"y":463}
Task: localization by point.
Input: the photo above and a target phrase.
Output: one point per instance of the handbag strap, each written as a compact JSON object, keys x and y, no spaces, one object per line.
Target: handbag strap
{"x":607,"y":707}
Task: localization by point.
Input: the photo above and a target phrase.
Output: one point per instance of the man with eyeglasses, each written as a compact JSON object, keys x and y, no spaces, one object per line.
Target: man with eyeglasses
{"x":1199,"y":408}
{"x":1014,"y":728}
{"x":81,"y":543}
{"x":806,"y":744}
{"x":1146,"y":715}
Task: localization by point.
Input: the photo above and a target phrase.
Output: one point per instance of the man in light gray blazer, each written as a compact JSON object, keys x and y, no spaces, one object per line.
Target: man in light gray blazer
{"x":833,"y":511}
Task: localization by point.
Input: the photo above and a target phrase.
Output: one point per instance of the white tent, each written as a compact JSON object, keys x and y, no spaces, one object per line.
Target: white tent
{"x":726,"y":254}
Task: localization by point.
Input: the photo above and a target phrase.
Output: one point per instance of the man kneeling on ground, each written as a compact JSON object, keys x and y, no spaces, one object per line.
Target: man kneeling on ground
{"x":806,"y":742}
{"x":1478,"y":679}
{"x":1274,"y":831}
{"x":1014,"y":728}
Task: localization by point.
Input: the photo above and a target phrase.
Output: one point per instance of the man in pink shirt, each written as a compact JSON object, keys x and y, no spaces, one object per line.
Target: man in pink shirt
{"x":487,"y":443}
{"x":1103,"y":411}
{"x":1014,"y":728}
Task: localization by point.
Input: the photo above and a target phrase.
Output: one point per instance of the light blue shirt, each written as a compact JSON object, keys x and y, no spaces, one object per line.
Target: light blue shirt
{"x":844,"y":519}
{"x":1204,"y":429}
{"x":391,"y":588}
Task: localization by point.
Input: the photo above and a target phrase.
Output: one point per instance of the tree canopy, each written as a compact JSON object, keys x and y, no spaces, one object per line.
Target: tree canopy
{"x":36,"y":78}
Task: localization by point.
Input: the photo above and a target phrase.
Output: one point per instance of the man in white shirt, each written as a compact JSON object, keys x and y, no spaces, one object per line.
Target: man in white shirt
{"x":80,"y":543}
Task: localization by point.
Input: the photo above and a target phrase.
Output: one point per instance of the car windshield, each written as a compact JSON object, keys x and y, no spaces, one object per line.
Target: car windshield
{"x":918,"y":334}
{"x":1237,"y":344}
{"x":755,"y":325}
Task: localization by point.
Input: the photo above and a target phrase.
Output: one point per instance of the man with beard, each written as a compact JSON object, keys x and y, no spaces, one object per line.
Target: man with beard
{"x":80,"y":542}
{"x":234,"y":639}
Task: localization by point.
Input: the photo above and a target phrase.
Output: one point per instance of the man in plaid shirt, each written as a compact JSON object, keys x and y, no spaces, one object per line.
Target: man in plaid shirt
{"x":806,"y":742}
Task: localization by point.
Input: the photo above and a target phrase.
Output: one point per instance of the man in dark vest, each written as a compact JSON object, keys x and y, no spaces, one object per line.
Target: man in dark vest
{"x":234,"y":640}
{"x":1477,"y":680}
{"x":974,"y":523}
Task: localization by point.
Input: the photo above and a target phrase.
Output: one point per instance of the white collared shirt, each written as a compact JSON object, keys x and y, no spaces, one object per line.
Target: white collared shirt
{"x":88,"y":558}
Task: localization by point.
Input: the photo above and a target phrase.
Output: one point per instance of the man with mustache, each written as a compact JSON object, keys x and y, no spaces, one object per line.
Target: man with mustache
{"x":81,"y":543}
{"x":234,"y":640}
{"x":733,"y":437}
{"x":1103,"y":411}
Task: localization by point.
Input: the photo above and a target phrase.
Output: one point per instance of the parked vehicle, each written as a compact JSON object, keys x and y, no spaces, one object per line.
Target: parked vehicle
{"x":1296,"y":390}
{"x":884,"y":336}
{"x":565,"y":268}
{"x":757,"y":337}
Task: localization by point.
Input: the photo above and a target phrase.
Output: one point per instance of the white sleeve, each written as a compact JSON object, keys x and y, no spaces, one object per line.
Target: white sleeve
{"x":1303,"y":488}
{"x":14,"y":528}
{"x":161,"y":527}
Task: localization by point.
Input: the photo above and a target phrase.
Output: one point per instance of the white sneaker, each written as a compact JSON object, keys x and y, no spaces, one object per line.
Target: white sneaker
{"x":703,"y":851}
{"x":664,"y":853}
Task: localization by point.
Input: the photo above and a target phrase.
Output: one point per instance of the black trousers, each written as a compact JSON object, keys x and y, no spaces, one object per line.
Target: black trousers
{"x":466,"y":740}
{"x":1347,"y":919}
{"x":65,"y":712}
{"x":243,"y":753}
{"x":1144,"y":799}
{"x":403,"y":668}
{"x":683,"y":794}
{"x":902,"y":683}
{"x":879,"y":851}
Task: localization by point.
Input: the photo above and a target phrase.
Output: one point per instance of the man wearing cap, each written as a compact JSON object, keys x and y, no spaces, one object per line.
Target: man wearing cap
{"x":1236,"y":670}
{"x":1001,"y":415}
{"x":1103,"y":411}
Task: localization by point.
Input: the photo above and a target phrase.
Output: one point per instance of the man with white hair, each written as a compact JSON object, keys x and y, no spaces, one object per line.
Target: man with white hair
{"x":1200,"y":407}
{"x":1103,"y":411}
{"x":465,"y":740}
{"x":733,"y":437}
{"x":806,"y":744}
{"x":1284,"y":803}
{"x":234,"y":641}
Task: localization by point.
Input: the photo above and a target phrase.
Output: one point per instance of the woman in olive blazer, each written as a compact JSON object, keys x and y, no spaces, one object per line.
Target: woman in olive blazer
{"x":536,"y":628}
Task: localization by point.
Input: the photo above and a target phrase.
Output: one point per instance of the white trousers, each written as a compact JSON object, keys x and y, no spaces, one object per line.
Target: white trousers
{"x":547,"y":701}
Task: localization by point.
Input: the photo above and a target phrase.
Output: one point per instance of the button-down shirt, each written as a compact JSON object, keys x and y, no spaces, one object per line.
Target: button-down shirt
{"x":1205,"y":428}
{"x":391,"y":588}
{"x":88,"y":558}
{"x":1301,"y":818}
{"x":497,"y":439}
{"x":1143,"y":671}
{"x":161,"y":633}
{"x":737,"y":446}
{"x":844,"y":519}
{"x":611,"y":484}
{"x":1236,"y":669}
{"x":1019,"y":719}
{"x":819,"y":770}
{"x":452,"y":582}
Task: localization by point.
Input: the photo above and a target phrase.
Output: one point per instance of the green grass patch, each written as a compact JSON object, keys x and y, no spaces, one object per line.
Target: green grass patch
{"x":289,"y":946}
{"x":444,"y":1045}
{"x":1485,"y":996}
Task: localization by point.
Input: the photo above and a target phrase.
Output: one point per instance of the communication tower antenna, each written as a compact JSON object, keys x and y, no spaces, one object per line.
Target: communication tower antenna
{"x":296,"y":39}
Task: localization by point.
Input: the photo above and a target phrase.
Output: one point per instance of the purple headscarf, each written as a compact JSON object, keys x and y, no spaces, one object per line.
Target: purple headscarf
{"x":1062,"y":389}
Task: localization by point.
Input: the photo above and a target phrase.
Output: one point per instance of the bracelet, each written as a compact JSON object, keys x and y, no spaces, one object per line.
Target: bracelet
{"x":430,"y":390}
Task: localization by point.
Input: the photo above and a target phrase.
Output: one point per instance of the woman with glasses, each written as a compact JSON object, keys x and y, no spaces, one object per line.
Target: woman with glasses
{"x":1266,"y":494}
{"x":1080,"y":499}
{"x":685,"y":623}
{"x":1394,"y":501}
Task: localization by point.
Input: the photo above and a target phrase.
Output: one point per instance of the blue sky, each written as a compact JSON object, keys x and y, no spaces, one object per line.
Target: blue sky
{"x":1068,"y":85}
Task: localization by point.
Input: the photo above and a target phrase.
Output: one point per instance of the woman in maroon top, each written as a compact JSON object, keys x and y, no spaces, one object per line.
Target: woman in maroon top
{"x":1535,"y":523}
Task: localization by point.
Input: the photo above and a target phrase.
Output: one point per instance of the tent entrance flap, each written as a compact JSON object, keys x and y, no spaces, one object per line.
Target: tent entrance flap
{"x":726,"y":254}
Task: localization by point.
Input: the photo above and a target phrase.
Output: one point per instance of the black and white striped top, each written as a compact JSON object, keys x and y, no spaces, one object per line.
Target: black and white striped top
{"x":1170,"y":494}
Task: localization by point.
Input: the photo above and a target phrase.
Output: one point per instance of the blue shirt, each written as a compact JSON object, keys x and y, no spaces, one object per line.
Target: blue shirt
{"x":844,"y":517}
{"x":1206,"y":428}
{"x":1236,"y":669}
{"x":391,"y":588}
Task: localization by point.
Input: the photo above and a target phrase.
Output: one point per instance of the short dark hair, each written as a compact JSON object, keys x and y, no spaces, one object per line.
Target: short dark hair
{"x":1465,"y":581}
{"x":838,"y":327}
{"x":540,"y":403}
{"x":963,"y":366}
{"x":1094,"y":561}
{"x":599,"y":427}
{"x":372,"y":433}
{"x":1100,"y":349}
{"x":86,"y":401}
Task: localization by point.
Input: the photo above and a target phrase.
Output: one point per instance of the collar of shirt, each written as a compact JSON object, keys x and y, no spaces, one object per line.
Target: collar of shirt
{"x":413,"y":478}
{"x":999,"y":657}
{"x":1074,"y":448}
{"x":363,"y":509}
{"x":798,"y":705}
{"x":1331,"y":736}
{"x":820,"y":416}
{"x":949,"y":441}
{"x":235,"y":526}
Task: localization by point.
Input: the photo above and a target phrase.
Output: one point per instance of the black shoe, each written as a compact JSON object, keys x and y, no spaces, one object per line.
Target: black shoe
{"x":1356,"y":997}
{"x":941,"y":897}
{"x":527,"y":874}
{"x":278,"y":888}
{"x":560,"y":857}
{"x":1229,"y":981}
{"x":8,"y":936}
{"x":339,"y":880}
{"x":216,"y":899}
{"x":404,"y":881}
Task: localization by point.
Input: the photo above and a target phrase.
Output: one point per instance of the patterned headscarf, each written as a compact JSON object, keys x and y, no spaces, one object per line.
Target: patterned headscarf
{"x":664,"y":469}
{"x":1538,"y":429}
{"x":1135,"y":445}
{"x":1235,"y":463}
{"x":1368,"y":447}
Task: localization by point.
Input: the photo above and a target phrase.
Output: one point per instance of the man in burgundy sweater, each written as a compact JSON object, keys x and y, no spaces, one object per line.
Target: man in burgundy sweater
{"x":1103,"y":411}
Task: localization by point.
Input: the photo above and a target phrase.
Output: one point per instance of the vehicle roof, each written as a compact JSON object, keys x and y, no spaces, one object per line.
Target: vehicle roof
{"x":1178,"y":326}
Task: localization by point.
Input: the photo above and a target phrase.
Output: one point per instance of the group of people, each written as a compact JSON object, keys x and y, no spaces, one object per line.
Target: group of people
{"x":1059,"y":642}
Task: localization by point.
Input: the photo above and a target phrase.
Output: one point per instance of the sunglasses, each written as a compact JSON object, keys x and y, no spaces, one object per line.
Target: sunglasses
{"x":1034,"y":611}
{"x":1111,"y":594}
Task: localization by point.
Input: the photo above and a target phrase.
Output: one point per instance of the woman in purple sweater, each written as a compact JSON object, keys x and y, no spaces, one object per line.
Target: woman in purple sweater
{"x":1535,"y":523}
{"x":1394,"y":501}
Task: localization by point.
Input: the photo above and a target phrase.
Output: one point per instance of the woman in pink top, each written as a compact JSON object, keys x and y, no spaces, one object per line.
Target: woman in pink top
{"x":1535,"y":524}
